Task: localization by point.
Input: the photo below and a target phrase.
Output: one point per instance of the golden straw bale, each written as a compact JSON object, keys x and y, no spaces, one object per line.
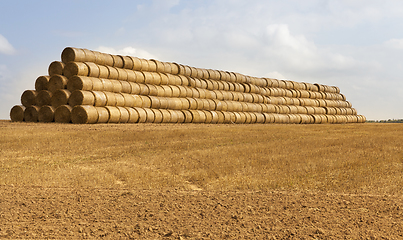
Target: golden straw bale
{"x":43,"y":98}
{"x":84,"y":114}
{"x":63,"y":114}
{"x":79,"y":97}
{"x":71,"y":54}
{"x":60,"y":97}
{"x":57,"y":82}
{"x":133,"y":115}
{"x":100,"y":99}
{"x":17,"y":113}
{"x":31,"y":113}
{"x":46,"y":114}
{"x":41,"y":83}
{"x":28,"y":98}
{"x":75,"y":68}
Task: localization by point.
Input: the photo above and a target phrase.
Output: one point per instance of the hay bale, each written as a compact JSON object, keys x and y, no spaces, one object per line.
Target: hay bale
{"x":84,"y":114}
{"x":100,"y":99}
{"x":110,"y":98}
{"x":120,"y":100}
{"x":158,"y":117}
{"x":113,"y":73}
{"x":46,"y":114}
{"x":62,"y":114}
{"x":149,"y":115}
{"x":75,"y":68}
{"x":108,"y":59}
{"x":103,"y":115}
{"x":60,"y":97}
{"x":28,"y":98}
{"x":93,"y":69}
{"x":99,"y":58}
{"x":122,"y":74}
{"x":71,"y":54}
{"x":56,"y":68}
{"x":17,"y":113}
{"x":107,"y":85}
{"x":79,"y":83}
{"x":79,"y":97}
{"x":117,"y":61}
{"x":159,"y":66}
{"x":41,"y":83}
{"x":114,"y":114}
{"x":31,"y":114}
{"x":133,"y":115}
{"x":43,"y":98}
{"x":103,"y":71}
{"x":136,"y":63}
{"x":57,"y":82}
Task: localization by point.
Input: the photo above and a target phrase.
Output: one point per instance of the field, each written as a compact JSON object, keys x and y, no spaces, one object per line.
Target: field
{"x":167,"y":181}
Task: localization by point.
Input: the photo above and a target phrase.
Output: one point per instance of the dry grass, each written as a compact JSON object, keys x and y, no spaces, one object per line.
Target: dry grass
{"x":349,"y":158}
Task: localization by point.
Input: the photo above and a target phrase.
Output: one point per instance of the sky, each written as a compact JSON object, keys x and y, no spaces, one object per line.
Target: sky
{"x":356,"y":45}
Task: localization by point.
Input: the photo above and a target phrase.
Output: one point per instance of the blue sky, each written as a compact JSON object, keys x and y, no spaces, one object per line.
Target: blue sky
{"x":356,"y":45}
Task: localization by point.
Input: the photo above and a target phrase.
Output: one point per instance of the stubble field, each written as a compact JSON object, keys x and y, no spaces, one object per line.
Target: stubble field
{"x":166,"y":181}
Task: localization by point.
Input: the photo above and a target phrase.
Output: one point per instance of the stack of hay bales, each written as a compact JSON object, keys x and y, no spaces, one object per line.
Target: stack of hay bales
{"x":92,"y":87}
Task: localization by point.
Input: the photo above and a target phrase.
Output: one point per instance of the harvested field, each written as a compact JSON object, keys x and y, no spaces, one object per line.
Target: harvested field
{"x":179,"y":181}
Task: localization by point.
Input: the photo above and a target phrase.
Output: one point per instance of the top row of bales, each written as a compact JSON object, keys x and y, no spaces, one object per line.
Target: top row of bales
{"x":70,"y":54}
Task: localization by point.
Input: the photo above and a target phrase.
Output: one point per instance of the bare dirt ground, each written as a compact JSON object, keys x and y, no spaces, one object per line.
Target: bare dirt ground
{"x":68,"y":213}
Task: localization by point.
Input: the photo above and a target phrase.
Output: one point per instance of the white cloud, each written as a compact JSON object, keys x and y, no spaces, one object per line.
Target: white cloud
{"x":128,"y":51}
{"x":394,"y":43}
{"x":5,"y":46}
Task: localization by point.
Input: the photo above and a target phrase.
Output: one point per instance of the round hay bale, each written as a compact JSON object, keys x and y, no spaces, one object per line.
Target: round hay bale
{"x":103,"y":115}
{"x":140,"y":78}
{"x":173,"y":103}
{"x":160,"y":91}
{"x":163,"y":79}
{"x":46,"y":114}
{"x":153,"y":91}
{"x":160,"y":67}
{"x":174,"y":68}
{"x":117,"y":61}
{"x":124,"y":115}
{"x":133,"y":115}
{"x":192,"y":103}
{"x":79,"y":97}
{"x":148,"y":78}
{"x":142,"y":114}
{"x":184,"y":103}
{"x":144,"y":90}
{"x":57,"y":82}
{"x":128,"y":100}
{"x":135,"y":88}
{"x":268,"y":118}
{"x":131,"y":76}
{"x":114,"y":114}
{"x":107,"y":85}
{"x":209,"y":116}
{"x":60,"y":97}
{"x":28,"y":98}
{"x":127,"y":62}
{"x":168,"y":67}
{"x":174,"y":116}
{"x":93,"y":69}
{"x":166,"y":116}
{"x":41,"y":83}
{"x":120,"y":100}
{"x":294,"y":118}
{"x":17,"y":113}
{"x":108,"y":59}
{"x":70,"y":54}
{"x":152,"y":66}
{"x":63,"y":114}
{"x":126,"y":87}
{"x":240,"y":117}
{"x":176,"y":92}
{"x":113,"y":73}
{"x":200,"y":103}
{"x":155,"y":102}
{"x":116,"y":86}
{"x":136,"y":63}
{"x":43,"y":98}
{"x":146,"y":102}
{"x":110,"y":98}
{"x":150,"y":115}
{"x":75,"y":68}
{"x":157,"y":115}
{"x":260,"y":118}
{"x":79,"y":83}
{"x":188,"y":116}
{"x":138,"y":101}
{"x":99,"y":58}
{"x":100,"y":99}
{"x":83,"y":114}
{"x":103,"y":71}
{"x":220,"y":117}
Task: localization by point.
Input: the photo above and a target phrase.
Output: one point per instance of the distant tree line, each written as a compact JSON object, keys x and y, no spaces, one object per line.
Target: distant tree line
{"x":387,"y":121}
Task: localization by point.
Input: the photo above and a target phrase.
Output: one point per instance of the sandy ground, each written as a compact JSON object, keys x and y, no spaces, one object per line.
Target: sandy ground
{"x":67,"y":213}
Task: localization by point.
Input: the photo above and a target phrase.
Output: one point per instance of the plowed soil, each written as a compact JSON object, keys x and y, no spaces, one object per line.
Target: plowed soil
{"x":66,"y":213}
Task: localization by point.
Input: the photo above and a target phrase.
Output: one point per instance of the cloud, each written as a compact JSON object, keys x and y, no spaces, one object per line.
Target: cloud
{"x":5,"y":46}
{"x":128,"y":51}
{"x":394,"y":43}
